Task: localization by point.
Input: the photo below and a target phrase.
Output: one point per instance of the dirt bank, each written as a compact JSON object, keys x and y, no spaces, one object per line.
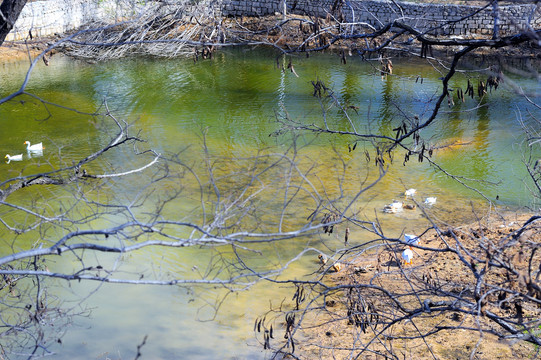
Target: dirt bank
{"x":11,"y":51}
{"x":435,"y":277}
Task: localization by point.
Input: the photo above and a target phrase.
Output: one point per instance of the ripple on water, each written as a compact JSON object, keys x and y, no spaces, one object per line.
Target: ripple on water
{"x":237,"y":96}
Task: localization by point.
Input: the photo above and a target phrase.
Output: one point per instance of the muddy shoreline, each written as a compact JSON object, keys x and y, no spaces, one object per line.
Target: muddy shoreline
{"x":332,"y":333}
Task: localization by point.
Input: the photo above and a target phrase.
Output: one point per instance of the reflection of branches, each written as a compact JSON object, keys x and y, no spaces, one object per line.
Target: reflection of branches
{"x":230,"y":202}
{"x":36,"y":318}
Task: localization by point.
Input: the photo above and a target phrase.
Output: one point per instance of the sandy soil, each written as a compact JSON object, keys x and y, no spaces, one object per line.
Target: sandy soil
{"x":441,"y":269}
{"x":16,"y":51}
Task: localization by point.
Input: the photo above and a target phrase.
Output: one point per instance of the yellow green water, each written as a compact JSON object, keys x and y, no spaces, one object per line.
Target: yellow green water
{"x":235,"y":99}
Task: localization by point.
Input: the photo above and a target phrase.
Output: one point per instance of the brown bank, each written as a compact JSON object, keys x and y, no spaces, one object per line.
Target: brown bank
{"x":454,"y":302}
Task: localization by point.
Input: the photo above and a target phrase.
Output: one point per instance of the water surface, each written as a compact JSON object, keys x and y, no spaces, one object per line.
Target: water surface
{"x":231,"y":104}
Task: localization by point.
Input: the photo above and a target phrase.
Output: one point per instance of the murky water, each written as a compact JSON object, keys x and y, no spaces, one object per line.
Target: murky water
{"x":235,"y":100}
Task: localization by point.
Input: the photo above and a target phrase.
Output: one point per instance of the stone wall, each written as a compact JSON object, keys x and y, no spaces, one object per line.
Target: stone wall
{"x":449,"y":19}
{"x":423,"y":16}
{"x":46,"y":17}
{"x":52,"y":16}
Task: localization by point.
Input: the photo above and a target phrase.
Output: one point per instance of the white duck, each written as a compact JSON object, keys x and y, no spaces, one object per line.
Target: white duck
{"x":14,"y":157}
{"x":430,"y":200}
{"x":411,"y":239}
{"x":393,"y":207}
{"x":410,"y":192}
{"x":34,"y":148}
{"x":407,"y":256}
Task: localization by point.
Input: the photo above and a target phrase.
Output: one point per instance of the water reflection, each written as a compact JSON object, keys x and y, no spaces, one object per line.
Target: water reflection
{"x":387,"y":106}
{"x":482,"y":162}
{"x":35,"y":153}
{"x":218,"y":114}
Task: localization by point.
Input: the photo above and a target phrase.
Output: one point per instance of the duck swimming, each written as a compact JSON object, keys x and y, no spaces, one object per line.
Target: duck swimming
{"x":14,"y":157}
{"x":35,"y":147}
{"x":393,"y":207}
{"x":410,"y":192}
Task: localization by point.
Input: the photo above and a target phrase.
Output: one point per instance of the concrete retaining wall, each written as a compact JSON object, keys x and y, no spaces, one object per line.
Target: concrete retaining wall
{"x":46,"y":17}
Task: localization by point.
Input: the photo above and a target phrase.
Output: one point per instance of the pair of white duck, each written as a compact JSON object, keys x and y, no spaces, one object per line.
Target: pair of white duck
{"x":396,"y":205}
{"x":35,"y":150}
{"x":431,"y":200}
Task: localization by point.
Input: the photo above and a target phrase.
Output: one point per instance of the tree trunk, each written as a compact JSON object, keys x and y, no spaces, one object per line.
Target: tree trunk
{"x":9,"y":13}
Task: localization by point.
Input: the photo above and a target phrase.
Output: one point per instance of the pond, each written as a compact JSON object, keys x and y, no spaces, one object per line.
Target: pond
{"x":220,"y":114}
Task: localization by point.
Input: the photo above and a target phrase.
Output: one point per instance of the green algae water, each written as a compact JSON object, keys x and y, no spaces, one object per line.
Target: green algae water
{"x":232,"y":103}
